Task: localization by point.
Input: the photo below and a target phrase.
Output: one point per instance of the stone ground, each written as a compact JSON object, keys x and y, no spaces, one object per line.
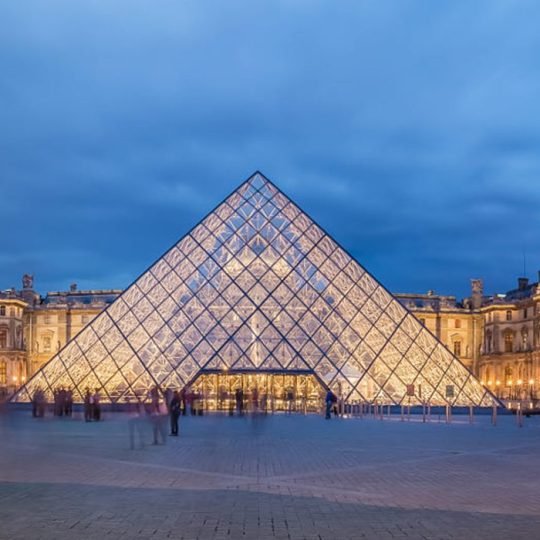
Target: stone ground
{"x":275,"y":477}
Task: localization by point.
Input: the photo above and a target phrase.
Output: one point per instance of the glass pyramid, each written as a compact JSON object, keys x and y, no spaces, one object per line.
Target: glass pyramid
{"x":258,"y":285}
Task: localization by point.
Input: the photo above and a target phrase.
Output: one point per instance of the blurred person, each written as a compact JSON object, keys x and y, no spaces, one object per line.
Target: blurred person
{"x":174,"y":412}
{"x":88,"y":401}
{"x":96,"y":406}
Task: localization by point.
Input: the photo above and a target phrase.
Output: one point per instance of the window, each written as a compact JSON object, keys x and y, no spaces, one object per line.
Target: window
{"x":508,"y":315}
{"x":3,"y":373}
{"x":2,"y":311}
{"x":3,"y":339}
{"x":525,"y":313}
{"x":46,"y":343}
{"x":457,"y":323}
{"x":457,"y":348}
{"x":488,"y":341}
{"x":423,"y":321}
{"x":12,"y":312}
{"x":508,"y":342}
{"x":525,"y":339}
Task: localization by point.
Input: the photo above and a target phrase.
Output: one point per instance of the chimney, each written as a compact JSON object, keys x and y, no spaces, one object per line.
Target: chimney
{"x":73,"y":287}
{"x":477,"y":290}
{"x":523,"y":282}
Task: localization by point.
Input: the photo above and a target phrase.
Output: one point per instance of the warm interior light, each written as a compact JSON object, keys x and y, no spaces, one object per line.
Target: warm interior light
{"x":531,"y":381}
{"x":498,"y":383}
{"x":520,"y":381}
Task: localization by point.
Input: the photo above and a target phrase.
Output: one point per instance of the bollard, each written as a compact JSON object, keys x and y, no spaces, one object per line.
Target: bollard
{"x":381,"y":411}
{"x":402,"y":412}
{"x":409,"y":412}
{"x":471,"y":414}
{"x":494,"y":415}
{"x":429,"y":412}
{"x":447,"y":413}
{"x":423,"y":412}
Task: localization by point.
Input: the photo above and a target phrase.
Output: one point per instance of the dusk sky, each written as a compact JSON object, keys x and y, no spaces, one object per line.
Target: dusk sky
{"x":409,"y":130}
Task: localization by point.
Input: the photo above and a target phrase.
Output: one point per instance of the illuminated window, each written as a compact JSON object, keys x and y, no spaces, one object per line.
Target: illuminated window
{"x":457,"y":348}
{"x":3,"y":339}
{"x":508,"y":342}
{"x":508,"y":315}
{"x":525,"y":338}
{"x":489,"y":341}
{"x":3,"y":373}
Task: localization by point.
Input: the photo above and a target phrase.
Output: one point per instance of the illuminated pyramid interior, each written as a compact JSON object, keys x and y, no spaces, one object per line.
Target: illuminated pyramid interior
{"x":258,"y":288}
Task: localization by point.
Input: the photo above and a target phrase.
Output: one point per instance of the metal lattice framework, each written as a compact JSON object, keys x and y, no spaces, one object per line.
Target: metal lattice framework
{"x":257,"y":285}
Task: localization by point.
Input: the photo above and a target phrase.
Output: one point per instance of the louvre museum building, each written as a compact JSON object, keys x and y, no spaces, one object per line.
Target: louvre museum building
{"x":258,"y":297}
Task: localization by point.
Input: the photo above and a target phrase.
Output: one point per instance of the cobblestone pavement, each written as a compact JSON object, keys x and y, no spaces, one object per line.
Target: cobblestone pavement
{"x":275,"y":477}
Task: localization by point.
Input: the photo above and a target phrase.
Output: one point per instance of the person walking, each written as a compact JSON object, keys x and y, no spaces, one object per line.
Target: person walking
{"x":96,"y":405}
{"x":174,"y":412}
{"x":329,"y":400}
{"x":88,"y":406}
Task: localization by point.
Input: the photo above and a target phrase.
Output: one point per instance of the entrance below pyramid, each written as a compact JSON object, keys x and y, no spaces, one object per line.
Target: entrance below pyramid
{"x":265,"y":391}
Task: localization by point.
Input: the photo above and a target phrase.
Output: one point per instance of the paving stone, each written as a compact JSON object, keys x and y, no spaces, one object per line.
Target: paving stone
{"x":276,"y":477}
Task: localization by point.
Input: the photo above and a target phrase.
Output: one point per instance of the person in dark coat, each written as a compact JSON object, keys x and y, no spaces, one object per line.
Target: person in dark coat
{"x":174,"y":412}
{"x":88,"y":406}
{"x":329,"y":400}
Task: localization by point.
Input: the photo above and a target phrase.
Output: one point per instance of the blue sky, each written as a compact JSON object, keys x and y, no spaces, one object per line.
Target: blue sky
{"x":409,"y":130}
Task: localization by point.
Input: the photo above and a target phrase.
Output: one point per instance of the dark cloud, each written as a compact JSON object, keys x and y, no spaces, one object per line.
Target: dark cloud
{"x":408,"y":130}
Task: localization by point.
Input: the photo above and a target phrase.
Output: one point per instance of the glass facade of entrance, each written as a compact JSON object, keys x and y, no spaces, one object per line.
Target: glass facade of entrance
{"x":260,"y":391}
{"x":258,"y":287}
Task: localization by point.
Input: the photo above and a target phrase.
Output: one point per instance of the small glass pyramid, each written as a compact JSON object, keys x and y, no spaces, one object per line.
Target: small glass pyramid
{"x":257,"y":285}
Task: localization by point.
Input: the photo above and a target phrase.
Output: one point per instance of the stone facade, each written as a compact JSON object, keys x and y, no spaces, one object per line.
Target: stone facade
{"x":510,"y":359}
{"x":33,"y":328}
{"x":13,"y":356}
{"x":497,"y":337}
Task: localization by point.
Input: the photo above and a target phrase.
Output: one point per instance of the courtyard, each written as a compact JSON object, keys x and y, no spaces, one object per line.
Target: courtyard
{"x":270,"y":477}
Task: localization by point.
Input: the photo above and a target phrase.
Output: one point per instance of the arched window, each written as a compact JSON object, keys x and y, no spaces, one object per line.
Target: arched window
{"x":2,"y":311}
{"x":457,"y":348}
{"x":508,"y":315}
{"x":3,"y":373}
{"x":3,"y":338}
